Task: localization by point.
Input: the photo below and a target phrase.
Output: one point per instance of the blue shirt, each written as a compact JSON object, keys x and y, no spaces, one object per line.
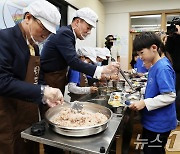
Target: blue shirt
{"x":74,"y":76}
{"x":161,"y":79}
{"x":139,"y":65}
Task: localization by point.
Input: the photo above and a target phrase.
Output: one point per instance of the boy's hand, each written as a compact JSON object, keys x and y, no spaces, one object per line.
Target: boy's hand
{"x":137,"y":105}
{"x":93,"y":89}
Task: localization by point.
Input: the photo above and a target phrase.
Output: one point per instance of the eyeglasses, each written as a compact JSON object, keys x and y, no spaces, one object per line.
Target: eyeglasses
{"x":112,"y":39}
{"x":44,"y":30}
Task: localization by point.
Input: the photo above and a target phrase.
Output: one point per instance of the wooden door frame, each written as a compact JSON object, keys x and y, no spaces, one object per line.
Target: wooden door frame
{"x":163,"y":13}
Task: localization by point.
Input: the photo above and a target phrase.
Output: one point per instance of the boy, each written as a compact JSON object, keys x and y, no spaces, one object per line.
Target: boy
{"x":158,"y":107}
{"x":77,"y":85}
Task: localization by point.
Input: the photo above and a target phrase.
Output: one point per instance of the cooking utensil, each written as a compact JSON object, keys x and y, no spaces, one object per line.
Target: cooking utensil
{"x":104,"y":91}
{"x":120,"y":85}
{"x":75,"y":105}
{"x":124,"y":76}
{"x":78,"y":131}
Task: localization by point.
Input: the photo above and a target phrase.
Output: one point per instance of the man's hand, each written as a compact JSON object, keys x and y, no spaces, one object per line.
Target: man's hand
{"x":110,"y":71}
{"x":178,"y":29}
{"x":53,"y":96}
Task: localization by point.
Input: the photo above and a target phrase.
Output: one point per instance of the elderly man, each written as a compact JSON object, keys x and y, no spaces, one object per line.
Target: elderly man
{"x":19,"y":71}
{"x":59,"y":52}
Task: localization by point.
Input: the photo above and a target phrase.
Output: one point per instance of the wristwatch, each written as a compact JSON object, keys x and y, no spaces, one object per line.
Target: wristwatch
{"x":42,"y":93}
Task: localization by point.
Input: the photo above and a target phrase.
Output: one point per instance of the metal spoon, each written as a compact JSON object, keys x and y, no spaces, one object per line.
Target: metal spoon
{"x":75,"y":105}
{"x":124,"y":76}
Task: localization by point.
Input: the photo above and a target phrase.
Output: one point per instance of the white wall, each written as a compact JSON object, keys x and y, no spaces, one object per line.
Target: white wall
{"x":140,"y":5}
{"x":117,"y":18}
{"x":98,"y":7}
{"x":121,"y":29}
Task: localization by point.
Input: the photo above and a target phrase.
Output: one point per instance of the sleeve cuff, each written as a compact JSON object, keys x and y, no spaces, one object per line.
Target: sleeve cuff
{"x":42,"y":93}
{"x":98,"y":72}
{"x":148,"y":102}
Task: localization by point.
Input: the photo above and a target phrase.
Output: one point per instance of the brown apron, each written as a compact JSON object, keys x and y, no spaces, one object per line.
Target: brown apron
{"x":17,"y":115}
{"x":56,"y":79}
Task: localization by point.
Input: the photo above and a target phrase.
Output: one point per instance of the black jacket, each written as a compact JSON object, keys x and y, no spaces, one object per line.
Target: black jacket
{"x":173,"y":48}
{"x":59,"y":52}
{"x":14,"y":57}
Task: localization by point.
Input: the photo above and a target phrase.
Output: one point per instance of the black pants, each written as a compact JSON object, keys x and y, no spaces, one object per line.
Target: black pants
{"x":155,"y":142}
{"x":178,"y":95}
{"x":52,"y":150}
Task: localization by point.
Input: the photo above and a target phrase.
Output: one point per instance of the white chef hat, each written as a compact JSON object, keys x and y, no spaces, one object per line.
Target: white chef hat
{"x":88,"y":15}
{"x":87,"y":52}
{"x":100,"y":53}
{"x":107,"y":51}
{"x":46,"y":12}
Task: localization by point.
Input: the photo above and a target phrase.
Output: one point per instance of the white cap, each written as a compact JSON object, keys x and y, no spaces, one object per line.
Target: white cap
{"x":107,"y":51}
{"x":87,"y":52}
{"x":100,"y":53}
{"x":88,"y":15}
{"x":46,"y":12}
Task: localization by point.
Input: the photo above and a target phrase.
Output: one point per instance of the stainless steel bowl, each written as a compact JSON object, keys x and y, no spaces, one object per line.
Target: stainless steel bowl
{"x":78,"y":131}
{"x":132,"y":97}
{"x":103,"y":91}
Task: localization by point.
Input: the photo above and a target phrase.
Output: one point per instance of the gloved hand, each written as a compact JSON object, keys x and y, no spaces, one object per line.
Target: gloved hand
{"x":111,"y":71}
{"x":52,"y":96}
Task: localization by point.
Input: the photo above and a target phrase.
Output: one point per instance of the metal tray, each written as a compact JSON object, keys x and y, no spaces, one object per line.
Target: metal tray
{"x":78,"y":131}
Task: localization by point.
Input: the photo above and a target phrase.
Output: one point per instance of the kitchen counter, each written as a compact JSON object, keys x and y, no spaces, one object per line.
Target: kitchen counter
{"x":90,"y":144}
{"x":82,"y":145}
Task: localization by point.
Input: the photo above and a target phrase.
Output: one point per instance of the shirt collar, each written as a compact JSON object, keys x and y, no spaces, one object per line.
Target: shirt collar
{"x":74,"y":34}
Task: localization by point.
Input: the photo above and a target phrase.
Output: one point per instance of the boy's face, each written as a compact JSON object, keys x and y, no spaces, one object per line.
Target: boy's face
{"x":88,"y":60}
{"x":147,"y":55}
{"x":99,"y":59}
{"x":82,"y":58}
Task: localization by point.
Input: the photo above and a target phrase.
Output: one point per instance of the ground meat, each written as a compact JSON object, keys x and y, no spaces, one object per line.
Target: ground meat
{"x":72,"y":118}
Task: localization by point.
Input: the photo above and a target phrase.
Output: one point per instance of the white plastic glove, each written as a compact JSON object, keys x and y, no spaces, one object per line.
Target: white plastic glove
{"x":111,"y":71}
{"x":52,"y":96}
